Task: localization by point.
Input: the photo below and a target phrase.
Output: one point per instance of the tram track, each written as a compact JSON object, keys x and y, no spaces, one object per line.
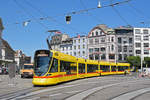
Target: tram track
{"x":18,"y":93}
{"x":32,"y":92}
{"x":63,"y":87}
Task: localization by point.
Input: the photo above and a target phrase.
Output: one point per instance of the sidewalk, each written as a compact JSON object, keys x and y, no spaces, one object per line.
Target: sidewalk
{"x":8,"y":85}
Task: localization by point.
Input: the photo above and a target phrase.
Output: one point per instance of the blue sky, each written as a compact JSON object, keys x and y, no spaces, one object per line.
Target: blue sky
{"x":33,"y":36}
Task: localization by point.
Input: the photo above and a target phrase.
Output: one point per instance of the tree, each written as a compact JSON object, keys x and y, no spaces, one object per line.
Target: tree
{"x":135,"y":61}
{"x":147,"y":61}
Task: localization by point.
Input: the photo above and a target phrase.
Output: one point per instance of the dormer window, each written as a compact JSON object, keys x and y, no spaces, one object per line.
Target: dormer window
{"x":96,"y":33}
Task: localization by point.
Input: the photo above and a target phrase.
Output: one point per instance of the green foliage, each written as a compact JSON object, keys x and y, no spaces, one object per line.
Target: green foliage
{"x":134,"y":60}
{"x":147,"y":60}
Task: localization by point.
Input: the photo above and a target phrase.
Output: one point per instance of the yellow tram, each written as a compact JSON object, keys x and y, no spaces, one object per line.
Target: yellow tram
{"x":52,"y":67}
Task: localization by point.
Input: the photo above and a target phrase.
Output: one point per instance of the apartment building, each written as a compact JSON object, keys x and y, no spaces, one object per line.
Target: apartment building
{"x":101,"y":43}
{"x":79,"y":48}
{"x":142,"y":42}
{"x":66,"y":46}
{"x":56,"y":41}
{"x":124,"y":43}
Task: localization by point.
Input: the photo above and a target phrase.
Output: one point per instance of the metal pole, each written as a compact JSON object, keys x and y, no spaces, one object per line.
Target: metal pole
{"x":141,"y":54}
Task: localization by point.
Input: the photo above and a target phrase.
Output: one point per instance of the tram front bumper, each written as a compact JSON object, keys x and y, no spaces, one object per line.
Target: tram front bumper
{"x":44,"y":81}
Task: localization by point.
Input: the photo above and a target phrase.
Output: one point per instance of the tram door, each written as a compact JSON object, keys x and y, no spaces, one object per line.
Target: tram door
{"x":81,"y":70}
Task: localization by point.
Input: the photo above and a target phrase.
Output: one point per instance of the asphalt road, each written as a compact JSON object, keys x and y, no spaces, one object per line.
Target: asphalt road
{"x":116,"y":87}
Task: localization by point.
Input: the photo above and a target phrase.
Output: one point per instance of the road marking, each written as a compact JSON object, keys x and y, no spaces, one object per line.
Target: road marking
{"x":45,"y":90}
{"x":50,"y":89}
{"x":131,"y":95}
{"x":55,"y":94}
{"x":84,"y":94}
{"x":72,"y":92}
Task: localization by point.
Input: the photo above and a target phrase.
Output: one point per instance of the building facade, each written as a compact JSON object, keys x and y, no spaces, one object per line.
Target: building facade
{"x":142,"y":42}
{"x":124,"y":43}
{"x":56,"y":41}
{"x":101,"y":43}
{"x":79,"y":48}
{"x":66,"y":46}
{"x":6,"y":52}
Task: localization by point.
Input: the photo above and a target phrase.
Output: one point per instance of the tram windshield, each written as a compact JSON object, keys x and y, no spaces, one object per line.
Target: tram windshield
{"x":42,"y":63}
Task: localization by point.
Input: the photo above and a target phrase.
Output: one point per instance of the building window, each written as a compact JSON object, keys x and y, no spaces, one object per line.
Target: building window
{"x":137,"y":31}
{"x":79,"y":53}
{"x":145,"y":31}
{"x":145,"y":38}
{"x":79,"y":41}
{"x":91,"y":41}
{"x":75,"y":47}
{"x":96,"y":33}
{"x":78,"y":46}
{"x":146,"y":44}
{"x":91,"y":57}
{"x":130,"y":40}
{"x":125,"y":48}
{"x":83,"y":40}
{"x":111,"y":56}
{"x":70,"y":47}
{"x":63,"y":48}
{"x":130,"y":50}
{"x":124,"y":42}
{"x":138,"y":51}
{"x":137,"y":45}
{"x":92,"y":33}
{"x":112,"y":39}
{"x":112,"y":47}
{"x":146,"y":51}
{"x":102,"y":40}
{"x":96,"y":49}
{"x":83,"y":53}
{"x":119,"y":40}
{"x":120,"y":57}
{"x":119,"y":49}
{"x":102,"y":49}
{"x":125,"y":56}
{"x":74,"y":53}
{"x":91,"y":50}
{"x":83,"y":46}
{"x":137,"y":37}
{"x":97,"y":57}
{"x":74,"y":41}
{"x":103,"y":57}
{"x":96,"y":41}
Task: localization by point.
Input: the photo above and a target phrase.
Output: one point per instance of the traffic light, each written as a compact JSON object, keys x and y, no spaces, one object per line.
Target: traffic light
{"x":68,"y":19}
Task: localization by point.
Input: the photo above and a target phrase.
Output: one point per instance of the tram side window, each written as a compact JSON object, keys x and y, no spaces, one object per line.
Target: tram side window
{"x":113,"y":68}
{"x":126,"y":67}
{"x":54,"y":67}
{"x":120,"y":68}
{"x":92,"y":68}
{"x":81,"y":68}
{"x":105,"y":68}
{"x":65,"y":67}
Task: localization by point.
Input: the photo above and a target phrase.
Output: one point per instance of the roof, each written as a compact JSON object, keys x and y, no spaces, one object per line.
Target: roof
{"x":6,"y":45}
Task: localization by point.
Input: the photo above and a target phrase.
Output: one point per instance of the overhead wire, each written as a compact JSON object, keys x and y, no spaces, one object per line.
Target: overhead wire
{"x":141,"y":13}
{"x":30,"y":15}
{"x":118,"y":13}
{"x":49,"y":17}
{"x":95,"y":18}
{"x":86,"y":10}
